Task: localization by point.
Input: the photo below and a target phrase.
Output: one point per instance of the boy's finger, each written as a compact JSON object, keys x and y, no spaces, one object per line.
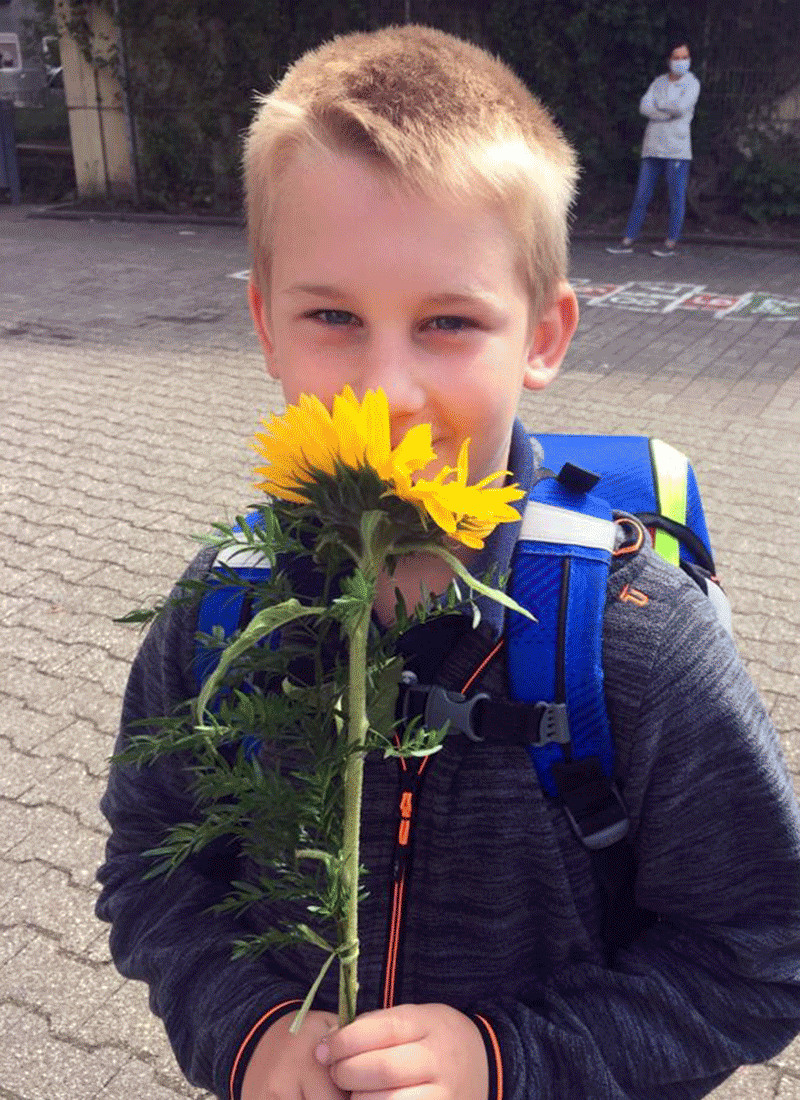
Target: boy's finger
{"x":385,"y":1027}
{"x":385,"y":1069}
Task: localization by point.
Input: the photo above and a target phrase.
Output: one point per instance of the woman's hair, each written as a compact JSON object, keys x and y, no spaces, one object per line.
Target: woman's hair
{"x":440,"y":117}
{"x":675,"y":43}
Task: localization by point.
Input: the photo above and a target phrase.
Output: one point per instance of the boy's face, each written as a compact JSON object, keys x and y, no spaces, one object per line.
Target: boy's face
{"x":376,"y":288}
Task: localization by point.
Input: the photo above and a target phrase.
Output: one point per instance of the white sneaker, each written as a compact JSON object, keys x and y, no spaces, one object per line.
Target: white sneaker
{"x":620,"y":249}
{"x":664,"y":251}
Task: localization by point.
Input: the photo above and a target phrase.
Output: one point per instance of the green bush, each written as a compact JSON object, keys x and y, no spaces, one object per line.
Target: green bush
{"x":765,"y":186}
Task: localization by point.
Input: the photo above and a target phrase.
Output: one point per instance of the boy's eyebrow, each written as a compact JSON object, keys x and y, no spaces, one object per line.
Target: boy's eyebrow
{"x":454,"y":298}
{"x":446,"y":298}
{"x":319,"y":291}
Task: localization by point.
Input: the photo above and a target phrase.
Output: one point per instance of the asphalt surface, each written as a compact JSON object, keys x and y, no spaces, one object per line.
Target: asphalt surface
{"x":131,"y":384}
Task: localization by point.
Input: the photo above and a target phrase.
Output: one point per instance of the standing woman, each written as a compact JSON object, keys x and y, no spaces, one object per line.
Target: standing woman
{"x":669,"y":105}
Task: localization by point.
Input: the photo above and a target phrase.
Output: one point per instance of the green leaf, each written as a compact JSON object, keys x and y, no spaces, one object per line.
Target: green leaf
{"x":385,"y":686}
{"x":477,"y":586}
{"x":141,"y":615}
{"x":260,"y":626}
{"x":311,"y":936}
{"x":302,"y":1011}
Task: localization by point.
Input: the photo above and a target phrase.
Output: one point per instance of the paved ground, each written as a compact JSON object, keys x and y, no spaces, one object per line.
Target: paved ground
{"x":130,"y":386}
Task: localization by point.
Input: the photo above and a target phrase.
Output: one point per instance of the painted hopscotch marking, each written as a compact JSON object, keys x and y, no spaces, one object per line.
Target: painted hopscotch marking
{"x":766,"y":305}
{"x":712,"y":303}
{"x":648,"y":297}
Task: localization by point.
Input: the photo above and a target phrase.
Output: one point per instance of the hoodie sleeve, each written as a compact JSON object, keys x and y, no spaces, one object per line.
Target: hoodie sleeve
{"x":649,"y":105}
{"x":214,"y":1009}
{"x":715,"y":982}
{"x":678,"y":98}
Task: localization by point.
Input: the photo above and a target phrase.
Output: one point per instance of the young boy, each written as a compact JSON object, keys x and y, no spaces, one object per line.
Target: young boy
{"x":407,"y":205}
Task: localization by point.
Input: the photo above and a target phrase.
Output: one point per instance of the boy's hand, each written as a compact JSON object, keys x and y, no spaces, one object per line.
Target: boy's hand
{"x":412,"y":1052}
{"x":283,"y":1066}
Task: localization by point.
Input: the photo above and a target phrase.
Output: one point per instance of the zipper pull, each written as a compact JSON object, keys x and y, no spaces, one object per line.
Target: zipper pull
{"x":406,"y":809}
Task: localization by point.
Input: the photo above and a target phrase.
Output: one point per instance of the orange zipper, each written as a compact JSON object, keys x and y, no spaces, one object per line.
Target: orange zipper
{"x":410,"y":774}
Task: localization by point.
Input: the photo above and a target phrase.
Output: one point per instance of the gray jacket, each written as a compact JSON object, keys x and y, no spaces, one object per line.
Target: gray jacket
{"x":669,"y":105}
{"x":503,"y":914}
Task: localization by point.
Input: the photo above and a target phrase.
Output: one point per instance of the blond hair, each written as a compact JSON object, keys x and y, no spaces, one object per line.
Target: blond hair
{"x":438,"y":115}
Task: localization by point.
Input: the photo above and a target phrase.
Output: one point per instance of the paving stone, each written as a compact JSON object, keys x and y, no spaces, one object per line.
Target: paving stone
{"x":22,"y":773}
{"x":126,"y":1016}
{"x":138,"y":1079}
{"x":35,"y":1064}
{"x":789,"y":1059}
{"x":39,"y":976}
{"x":13,"y":941}
{"x":85,"y":743}
{"x":56,"y":908}
{"x":789,"y":1088}
{"x":72,"y":789}
{"x":53,"y":836}
{"x":88,"y":701}
{"x":9,"y":1015}
{"x":749,"y":1083}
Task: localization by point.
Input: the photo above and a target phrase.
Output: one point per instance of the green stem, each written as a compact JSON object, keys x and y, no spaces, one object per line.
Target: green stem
{"x":357,"y":727}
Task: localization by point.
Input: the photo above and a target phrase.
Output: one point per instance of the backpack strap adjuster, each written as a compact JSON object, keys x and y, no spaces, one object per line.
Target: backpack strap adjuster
{"x":592,"y":803}
{"x":553,"y":725}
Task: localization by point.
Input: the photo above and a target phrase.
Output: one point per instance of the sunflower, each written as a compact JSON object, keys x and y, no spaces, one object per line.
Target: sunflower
{"x":308,"y":443}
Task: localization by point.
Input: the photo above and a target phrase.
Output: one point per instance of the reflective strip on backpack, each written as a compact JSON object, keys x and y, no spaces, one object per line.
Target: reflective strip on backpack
{"x":241,"y":557}
{"x":548,"y":523}
{"x":671,"y":477}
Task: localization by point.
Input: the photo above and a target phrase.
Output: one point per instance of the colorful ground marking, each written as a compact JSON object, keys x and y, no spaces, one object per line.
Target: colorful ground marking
{"x":766,"y":305}
{"x":648,"y":297}
{"x":584,"y":288}
{"x":711,"y":302}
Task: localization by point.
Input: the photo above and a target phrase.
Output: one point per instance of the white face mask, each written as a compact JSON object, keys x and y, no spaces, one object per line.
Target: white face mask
{"x":680,"y":67}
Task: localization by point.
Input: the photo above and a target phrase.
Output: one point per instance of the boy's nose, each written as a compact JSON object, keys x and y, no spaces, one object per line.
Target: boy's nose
{"x":391,"y":365}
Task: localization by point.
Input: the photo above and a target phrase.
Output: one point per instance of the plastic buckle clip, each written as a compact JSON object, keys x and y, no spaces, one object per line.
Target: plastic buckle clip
{"x":442,"y":707}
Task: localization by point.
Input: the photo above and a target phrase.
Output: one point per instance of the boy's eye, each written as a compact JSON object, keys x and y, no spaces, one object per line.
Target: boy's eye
{"x":336,"y":317}
{"x":450,"y":324}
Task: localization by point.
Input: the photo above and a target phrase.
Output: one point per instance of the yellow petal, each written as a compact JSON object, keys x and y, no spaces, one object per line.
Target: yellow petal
{"x":349,"y":434}
{"x":462,"y":462}
{"x":468,"y":538}
{"x":375,"y":411}
{"x":414,"y":451}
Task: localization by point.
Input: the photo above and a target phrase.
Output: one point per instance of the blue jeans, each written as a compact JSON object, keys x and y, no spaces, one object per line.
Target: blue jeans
{"x":677,"y":177}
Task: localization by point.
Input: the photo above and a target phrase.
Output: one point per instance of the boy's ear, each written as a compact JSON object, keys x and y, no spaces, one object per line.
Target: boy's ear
{"x":258,"y":313}
{"x":551,"y":338}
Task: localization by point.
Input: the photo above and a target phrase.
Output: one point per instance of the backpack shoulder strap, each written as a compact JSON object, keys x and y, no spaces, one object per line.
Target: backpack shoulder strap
{"x":561,"y":570}
{"x":226,"y":605}
{"x":560,"y":573}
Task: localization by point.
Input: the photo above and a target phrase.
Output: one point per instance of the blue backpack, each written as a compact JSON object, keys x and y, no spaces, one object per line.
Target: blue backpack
{"x":560,"y":571}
